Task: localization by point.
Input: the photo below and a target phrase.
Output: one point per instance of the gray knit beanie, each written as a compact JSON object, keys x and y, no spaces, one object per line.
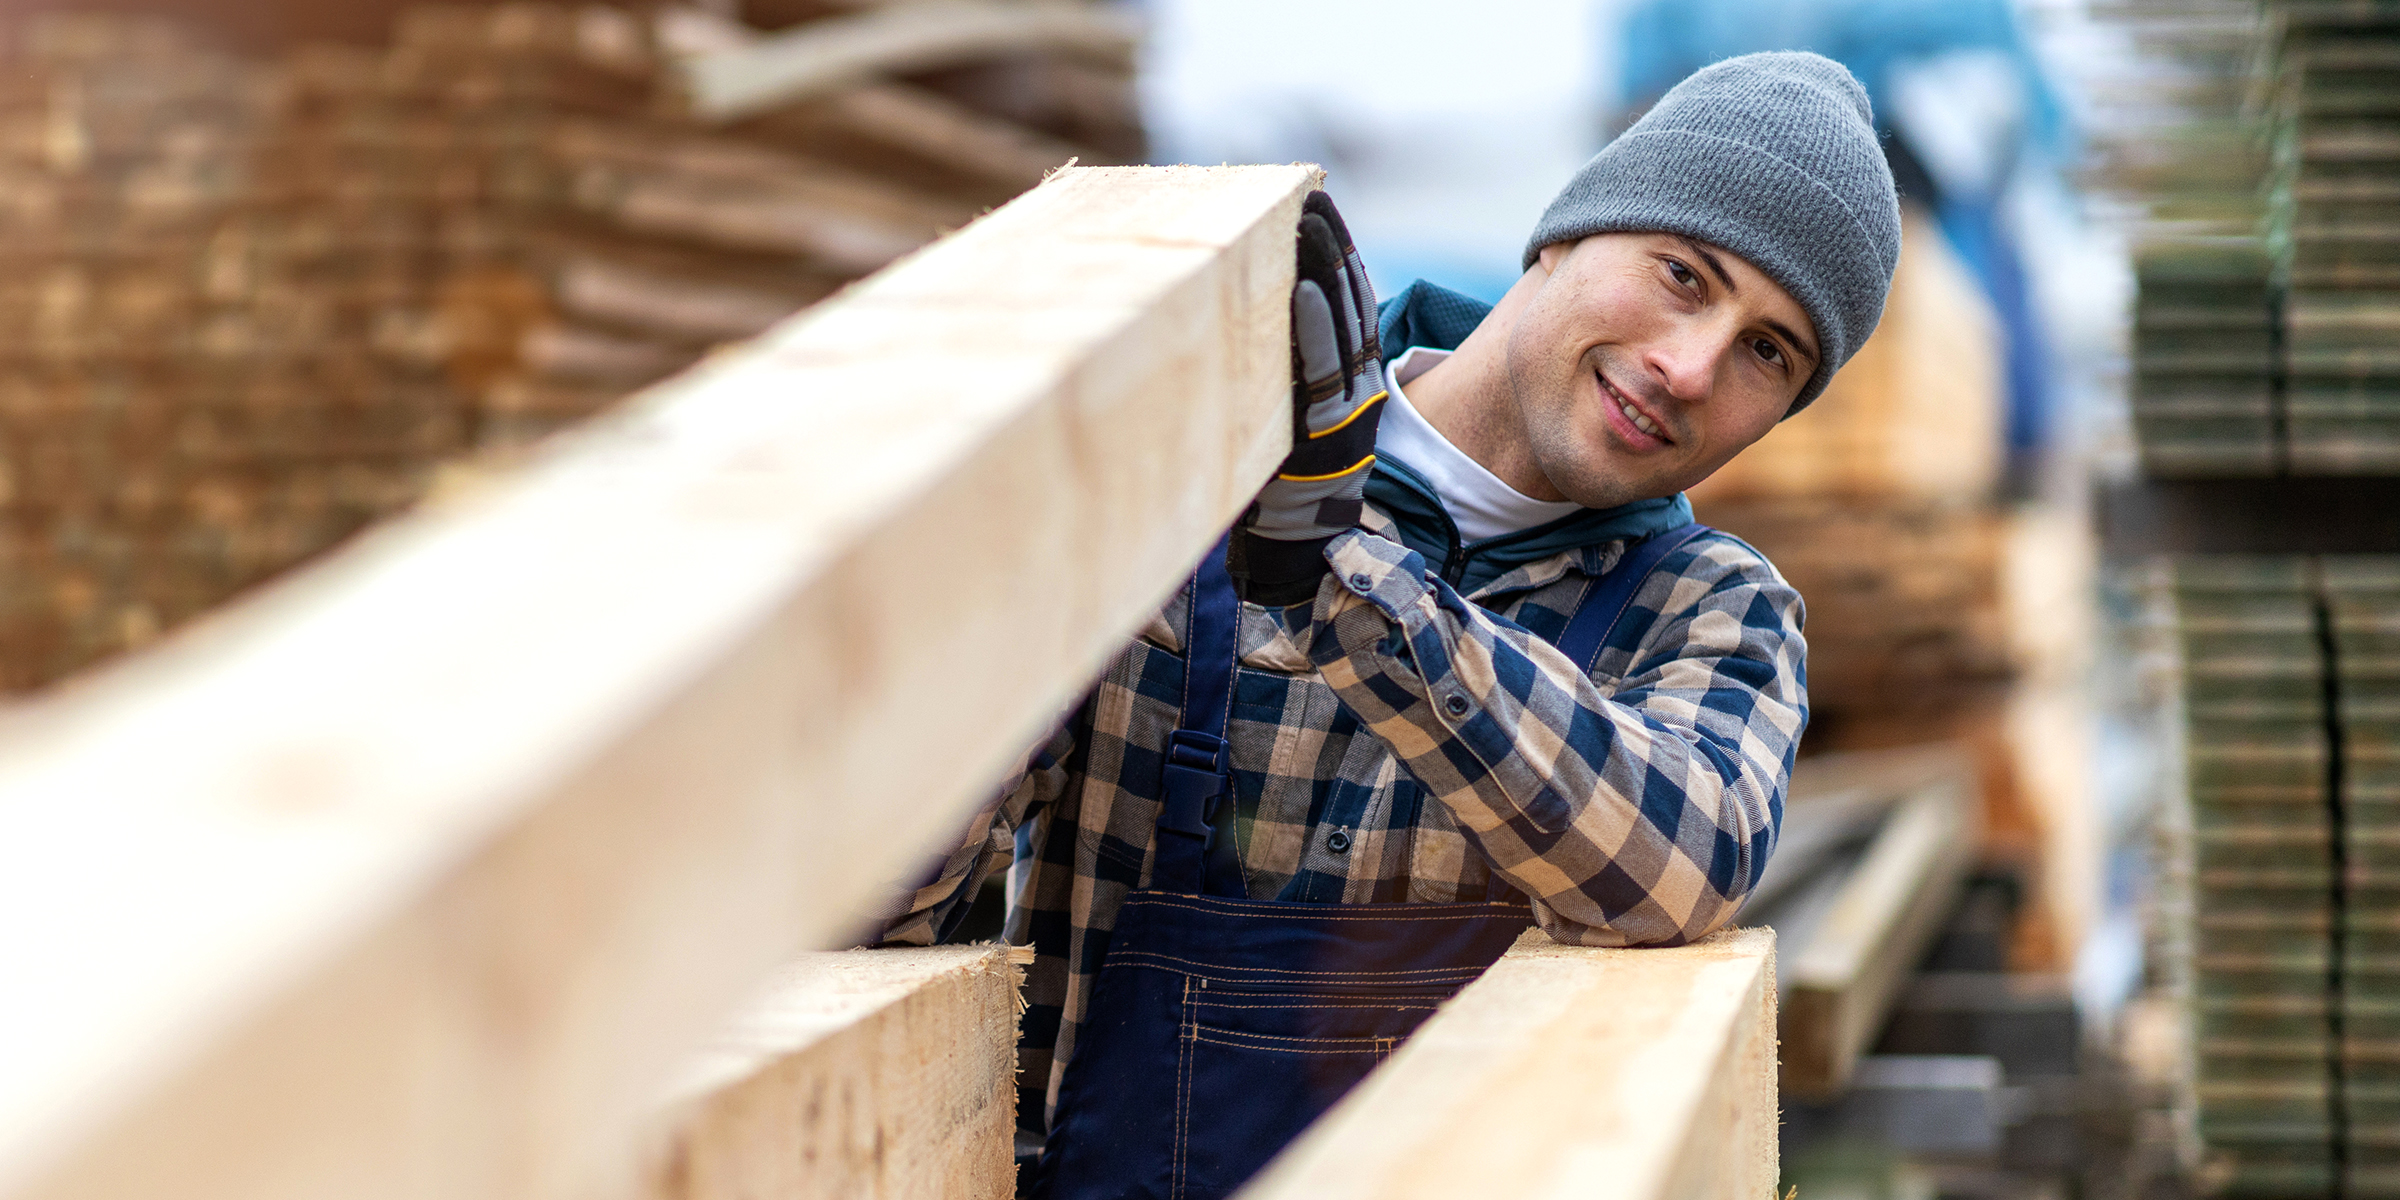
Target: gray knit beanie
{"x":1770,"y":156}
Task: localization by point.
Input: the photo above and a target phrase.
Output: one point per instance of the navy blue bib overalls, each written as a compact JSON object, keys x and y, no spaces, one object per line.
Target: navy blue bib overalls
{"x":1220,"y":1026}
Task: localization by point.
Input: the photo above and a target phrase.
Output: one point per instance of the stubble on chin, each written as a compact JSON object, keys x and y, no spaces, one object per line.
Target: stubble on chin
{"x":1565,"y":436}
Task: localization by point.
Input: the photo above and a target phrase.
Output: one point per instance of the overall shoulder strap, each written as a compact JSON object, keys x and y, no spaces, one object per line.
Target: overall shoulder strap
{"x":1195,"y":841}
{"x":1605,"y":601}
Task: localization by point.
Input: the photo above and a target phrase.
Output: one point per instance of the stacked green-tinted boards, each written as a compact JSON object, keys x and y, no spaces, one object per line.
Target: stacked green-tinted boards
{"x":2259,"y":887}
{"x":2362,"y":614}
{"x":2287,"y":876}
{"x":2334,"y":205}
{"x":2264,"y":160}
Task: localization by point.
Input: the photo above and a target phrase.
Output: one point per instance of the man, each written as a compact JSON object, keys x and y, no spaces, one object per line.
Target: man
{"x":1489,"y":674}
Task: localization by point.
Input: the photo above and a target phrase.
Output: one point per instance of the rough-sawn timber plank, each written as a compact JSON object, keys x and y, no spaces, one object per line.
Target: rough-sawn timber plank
{"x":411,"y":875}
{"x":1567,"y":1071}
{"x":883,"y":1073}
{"x":1848,"y":969}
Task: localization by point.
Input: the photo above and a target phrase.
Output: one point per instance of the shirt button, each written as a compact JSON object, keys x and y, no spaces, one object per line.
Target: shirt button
{"x":1338,"y":841}
{"x":1361,"y":581}
{"x":1456,"y":704}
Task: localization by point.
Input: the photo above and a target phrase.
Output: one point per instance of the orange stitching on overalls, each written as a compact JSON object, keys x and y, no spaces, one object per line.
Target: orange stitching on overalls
{"x":1367,"y":1049}
{"x":1436,"y":972}
{"x":1198,"y":1029}
{"x":1365,"y":1002}
{"x":1273,"y":910}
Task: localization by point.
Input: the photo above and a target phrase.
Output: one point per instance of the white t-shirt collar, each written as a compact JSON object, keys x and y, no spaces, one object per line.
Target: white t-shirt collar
{"x":1479,"y":502}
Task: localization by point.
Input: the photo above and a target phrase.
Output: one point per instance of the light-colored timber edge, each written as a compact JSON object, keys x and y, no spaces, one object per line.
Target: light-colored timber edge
{"x":1845,"y":977}
{"x":411,"y":875}
{"x":887,"y":1073}
{"x":823,"y":56}
{"x":1567,"y":1071}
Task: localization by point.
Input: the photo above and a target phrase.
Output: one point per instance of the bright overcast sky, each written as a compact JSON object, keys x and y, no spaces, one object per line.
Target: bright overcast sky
{"x":1445,"y":132}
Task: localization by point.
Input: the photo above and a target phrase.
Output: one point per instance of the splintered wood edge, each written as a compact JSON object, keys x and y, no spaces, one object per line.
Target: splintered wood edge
{"x":545,"y":777}
{"x":1566,"y":1071}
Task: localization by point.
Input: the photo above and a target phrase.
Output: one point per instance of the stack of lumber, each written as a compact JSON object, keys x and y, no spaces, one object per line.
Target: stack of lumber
{"x":264,"y":302}
{"x":2362,"y":603}
{"x":2177,"y":137}
{"x":147,"y":464}
{"x":2283,"y":881}
{"x":2259,"y":146}
{"x":2335,"y":223}
{"x":2251,"y":879}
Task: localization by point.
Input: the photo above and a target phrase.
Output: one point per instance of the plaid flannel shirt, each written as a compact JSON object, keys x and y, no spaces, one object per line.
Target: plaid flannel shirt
{"x":1402,"y":740}
{"x":1635,"y":806}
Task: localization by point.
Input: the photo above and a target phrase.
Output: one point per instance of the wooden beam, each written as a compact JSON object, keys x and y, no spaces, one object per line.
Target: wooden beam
{"x":1847,"y":967}
{"x":1567,"y":1071}
{"x":857,"y":1073}
{"x":412,"y":875}
{"x":834,"y":53}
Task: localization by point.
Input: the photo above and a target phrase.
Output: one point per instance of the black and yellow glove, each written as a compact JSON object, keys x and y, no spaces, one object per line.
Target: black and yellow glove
{"x":1278,"y":551}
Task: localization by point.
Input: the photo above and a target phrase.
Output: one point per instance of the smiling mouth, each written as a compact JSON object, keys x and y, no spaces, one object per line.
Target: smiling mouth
{"x":1634,"y":416}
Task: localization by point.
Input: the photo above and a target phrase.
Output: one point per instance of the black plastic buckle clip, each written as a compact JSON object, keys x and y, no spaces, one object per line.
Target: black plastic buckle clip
{"x":1194,"y":783}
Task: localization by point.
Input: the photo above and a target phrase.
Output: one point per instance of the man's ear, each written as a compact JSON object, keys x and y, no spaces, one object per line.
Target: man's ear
{"x":1548,"y":259}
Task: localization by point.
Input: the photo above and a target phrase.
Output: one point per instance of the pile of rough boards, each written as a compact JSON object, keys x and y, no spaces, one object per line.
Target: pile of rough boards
{"x":2259,"y":147}
{"x":252,"y":306}
{"x":1936,"y":612}
{"x":2282,"y":881}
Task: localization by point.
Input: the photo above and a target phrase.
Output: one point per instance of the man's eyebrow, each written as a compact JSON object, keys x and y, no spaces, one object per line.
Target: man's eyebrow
{"x":1715,"y":265}
{"x":1784,"y":331}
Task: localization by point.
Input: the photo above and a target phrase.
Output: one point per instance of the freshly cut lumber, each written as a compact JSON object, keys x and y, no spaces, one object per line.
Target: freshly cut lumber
{"x":1567,"y":1071}
{"x":413,"y":874}
{"x":1846,"y":969}
{"x":886,"y":1073}
{"x":826,"y":55}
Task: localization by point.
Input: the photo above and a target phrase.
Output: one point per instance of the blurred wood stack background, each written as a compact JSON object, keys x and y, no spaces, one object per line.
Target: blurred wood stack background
{"x":256,"y":302}
{"x":1935,"y":611}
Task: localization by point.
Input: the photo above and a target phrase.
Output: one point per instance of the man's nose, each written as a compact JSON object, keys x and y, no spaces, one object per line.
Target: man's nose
{"x":1685,"y":362}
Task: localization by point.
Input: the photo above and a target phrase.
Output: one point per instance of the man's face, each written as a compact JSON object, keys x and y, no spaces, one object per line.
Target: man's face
{"x":1646,"y":360}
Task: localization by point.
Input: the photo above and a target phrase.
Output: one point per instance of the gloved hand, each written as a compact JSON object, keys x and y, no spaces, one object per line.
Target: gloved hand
{"x":1277,"y":554}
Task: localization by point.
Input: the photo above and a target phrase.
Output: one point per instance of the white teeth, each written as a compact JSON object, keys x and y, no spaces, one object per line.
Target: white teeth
{"x":1645,"y":424}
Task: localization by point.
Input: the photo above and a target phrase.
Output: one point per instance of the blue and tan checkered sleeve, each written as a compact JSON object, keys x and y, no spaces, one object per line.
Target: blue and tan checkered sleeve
{"x":928,"y":914}
{"x":1636,"y":806}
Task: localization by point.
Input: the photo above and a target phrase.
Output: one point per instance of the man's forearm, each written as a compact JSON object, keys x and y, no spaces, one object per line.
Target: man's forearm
{"x":1640,"y":819}
{"x":928,"y":913}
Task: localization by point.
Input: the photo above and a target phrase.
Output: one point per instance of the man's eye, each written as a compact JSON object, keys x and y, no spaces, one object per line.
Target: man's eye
{"x":1769,"y":351}
{"x":1682,"y":273}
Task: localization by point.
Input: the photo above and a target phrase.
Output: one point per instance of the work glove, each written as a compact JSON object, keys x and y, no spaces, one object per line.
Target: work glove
{"x":1277,"y":555}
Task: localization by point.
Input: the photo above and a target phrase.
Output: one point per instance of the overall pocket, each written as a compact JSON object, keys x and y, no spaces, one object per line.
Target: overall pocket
{"x":1256,"y":1066}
